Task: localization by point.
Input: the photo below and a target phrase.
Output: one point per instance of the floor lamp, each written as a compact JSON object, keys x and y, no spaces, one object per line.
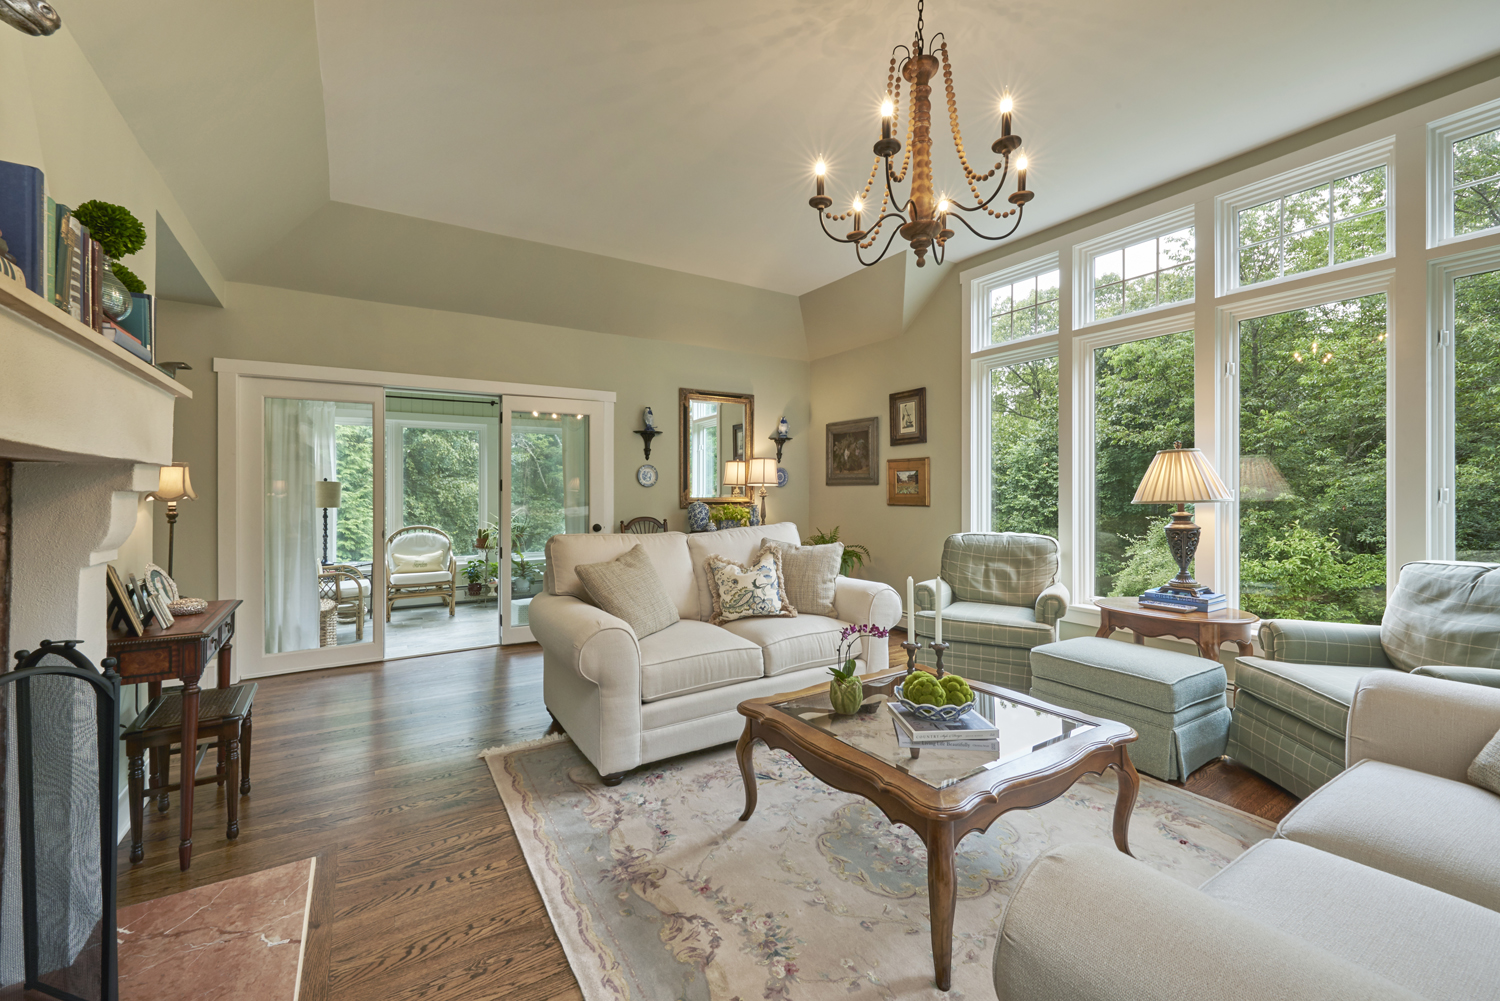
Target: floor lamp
{"x":175,"y":484}
{"x":327,"y":496}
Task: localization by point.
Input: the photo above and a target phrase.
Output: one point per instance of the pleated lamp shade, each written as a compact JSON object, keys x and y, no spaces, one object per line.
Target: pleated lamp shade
{"x":327,"y":493}
{"x":1180,"y":476}
{"x":762,"y":472}
{"x":734,"y":473}
{"x":1260,"y":480}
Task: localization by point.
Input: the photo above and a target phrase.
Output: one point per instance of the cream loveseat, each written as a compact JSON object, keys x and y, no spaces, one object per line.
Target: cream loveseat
{"x":1383,"y":884}
{"x":626,"y":701}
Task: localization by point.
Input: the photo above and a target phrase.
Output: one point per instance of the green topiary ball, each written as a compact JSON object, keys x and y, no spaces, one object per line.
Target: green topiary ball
{"x":127,"y":277}
{"x":924,"y":689}
{"x":957,"y":689}
{"x":118,"y":231}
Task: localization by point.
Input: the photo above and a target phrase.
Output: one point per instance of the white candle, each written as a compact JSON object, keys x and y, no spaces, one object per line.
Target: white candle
{"x":938,"y":628}
{"x":911,"y":611}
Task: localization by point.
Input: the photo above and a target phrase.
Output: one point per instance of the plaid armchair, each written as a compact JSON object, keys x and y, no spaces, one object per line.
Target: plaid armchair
{"x":1000,"y":596}
{"x":1291,"y":711}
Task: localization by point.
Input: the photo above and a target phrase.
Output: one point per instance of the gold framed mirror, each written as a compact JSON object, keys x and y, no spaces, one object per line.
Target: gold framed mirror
{"x":714,"y":429}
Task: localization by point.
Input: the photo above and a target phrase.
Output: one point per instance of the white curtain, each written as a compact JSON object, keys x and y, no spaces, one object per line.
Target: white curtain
{"x":299,"y":452}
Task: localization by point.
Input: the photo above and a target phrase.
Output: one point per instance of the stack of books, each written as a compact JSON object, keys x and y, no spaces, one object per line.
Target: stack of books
{"x":970,"y":732}
{"x":1180,"y":601}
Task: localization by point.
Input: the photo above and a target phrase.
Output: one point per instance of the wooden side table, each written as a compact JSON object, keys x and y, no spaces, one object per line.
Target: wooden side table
{"x":1209,"y":630}
{"x":181,"y":653}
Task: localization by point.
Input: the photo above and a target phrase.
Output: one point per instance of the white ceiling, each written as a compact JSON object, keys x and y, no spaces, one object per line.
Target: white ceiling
{"x":680,"y":133}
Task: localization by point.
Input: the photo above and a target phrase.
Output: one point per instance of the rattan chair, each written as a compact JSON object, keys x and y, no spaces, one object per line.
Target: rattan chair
{"x":350,"y":591}
{"x":643,"y":526}
{"x":419,"y":563}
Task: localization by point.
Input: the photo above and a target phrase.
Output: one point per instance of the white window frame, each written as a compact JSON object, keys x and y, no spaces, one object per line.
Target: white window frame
{"x":1442,"y":525}
{"x":395,"y":467}
{"x":1227,"y":320}
{"x":981,"y":288}
{"x":1441,"y":135}
{"x":1083,"y":265}
{"x":1227,"y":208}
{"x":1085,"y":454}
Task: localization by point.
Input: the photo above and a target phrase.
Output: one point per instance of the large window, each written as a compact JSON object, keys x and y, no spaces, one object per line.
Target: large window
{"x":1331,"y":223}
{"x":1312,"y":443}
{"x":1024,"y":308}
{"x":1140,"y":268}
{"x":1476,"y":183}
{"x":354,"y":467}
{"x":1476,"y":444}
{"x":1023,"y":442}
{"x":1143,"y":402}
{"x":441,"y":479}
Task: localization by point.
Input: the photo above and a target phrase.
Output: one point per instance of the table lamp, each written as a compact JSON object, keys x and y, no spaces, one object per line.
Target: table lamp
{"x":327,"y":496}
{"x":761,"y":473}
{"x":175,"y":484}
{"x":1181,"y":476}
{"x":734,"y":476}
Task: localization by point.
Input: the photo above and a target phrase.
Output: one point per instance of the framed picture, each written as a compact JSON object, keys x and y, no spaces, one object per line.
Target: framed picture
{"x":739,"y":442}
{"x":122,"y":608}
{"x":854,"y":453}
{"x":142,"y":603}
{"x":909,"y":417}
{"x":159,"y":606}
{"x":159,"y":584}
{"x":908,"y":482}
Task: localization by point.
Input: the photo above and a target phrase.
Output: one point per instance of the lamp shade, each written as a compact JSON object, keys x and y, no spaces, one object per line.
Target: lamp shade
{"x":175,"y":484}
{"x":762,"y":472}
{"x":1260,"y":480}
{"x":734,"y":473}
{"x":327,"y":493}
{"x":1180,"y":476}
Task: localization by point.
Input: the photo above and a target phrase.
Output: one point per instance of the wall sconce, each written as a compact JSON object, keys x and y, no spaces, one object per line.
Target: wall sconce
{"x":780,"y":438}
{"x":649,"y":431}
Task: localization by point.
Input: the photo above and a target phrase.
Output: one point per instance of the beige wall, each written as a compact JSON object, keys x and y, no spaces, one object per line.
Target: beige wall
{"x":271,"y":324}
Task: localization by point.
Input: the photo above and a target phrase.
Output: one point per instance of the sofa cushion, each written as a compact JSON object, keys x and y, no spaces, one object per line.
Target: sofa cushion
{"x":1145,"y":676}
{"x":1484,"y":770}
{"x":426,"y":577}
{"x":668,"y":552}
{"x":738,"y":545}
{"x":1430,"y":830}
{"x":811,"y":574}
{"x":793,"y":644}
{"x":1443,"y":613}
{"x":1436,"y":945}
{"x":628,"y":588}
{"x":991,"y":625}
{"x":1317,"y":693}
{"x":694,"y":656}
{"x":413,"y":552}
{"x":743,"y":592}
{"x":1006,"y":568}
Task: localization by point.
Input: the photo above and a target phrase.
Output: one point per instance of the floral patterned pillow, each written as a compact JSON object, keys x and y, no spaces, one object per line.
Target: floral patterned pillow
{"x":758,"y":590}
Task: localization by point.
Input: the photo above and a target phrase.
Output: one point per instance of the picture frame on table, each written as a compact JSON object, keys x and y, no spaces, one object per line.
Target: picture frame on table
{"x":138,"y":594}
{"x":908,"y":482}
{"x":909,"y":417}
{"x":853,"y":453}
{"x":163,"y":615}
{"x":160,"y":584}
{"x":123,"y":610}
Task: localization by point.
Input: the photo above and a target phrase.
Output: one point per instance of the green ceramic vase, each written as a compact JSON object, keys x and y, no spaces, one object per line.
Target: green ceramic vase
{"x":846,"y":694}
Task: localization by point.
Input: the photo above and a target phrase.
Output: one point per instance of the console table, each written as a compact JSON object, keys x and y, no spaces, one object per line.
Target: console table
{"x":180,"y":653}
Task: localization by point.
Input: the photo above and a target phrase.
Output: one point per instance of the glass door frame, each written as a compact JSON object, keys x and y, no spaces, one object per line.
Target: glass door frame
{"x":601,"y":483}
{"x":249,"y":541}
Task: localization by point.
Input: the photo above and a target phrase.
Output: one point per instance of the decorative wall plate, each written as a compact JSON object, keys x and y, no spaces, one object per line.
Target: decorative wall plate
{"x":780,"y":476}
{"x":647,"y":475}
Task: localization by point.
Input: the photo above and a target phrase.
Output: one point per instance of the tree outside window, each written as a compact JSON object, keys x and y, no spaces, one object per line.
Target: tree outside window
{"x":1476,"y":446}
{"x":1023,"y":436}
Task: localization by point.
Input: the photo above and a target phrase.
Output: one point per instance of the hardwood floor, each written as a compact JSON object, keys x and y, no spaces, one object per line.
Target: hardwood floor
{"x":376,"y":769}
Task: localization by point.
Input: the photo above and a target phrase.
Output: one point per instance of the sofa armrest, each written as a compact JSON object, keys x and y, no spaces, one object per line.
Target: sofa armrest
{"x":1052,"y":604}
{"x":600,"y":647}
{"x":1487,"y":676}
{"x":931,"y":593}
{"x":1338,"y":644}
{"x":866,"y":602}
{"x":1072,"y":931}
{"x":1427,"y":724}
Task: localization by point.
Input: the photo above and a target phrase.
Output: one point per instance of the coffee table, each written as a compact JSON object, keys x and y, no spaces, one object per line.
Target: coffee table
{"x":942,"y":795}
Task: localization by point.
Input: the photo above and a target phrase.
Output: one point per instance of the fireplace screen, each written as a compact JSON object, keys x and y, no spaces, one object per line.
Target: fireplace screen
{"x":58,"y":815}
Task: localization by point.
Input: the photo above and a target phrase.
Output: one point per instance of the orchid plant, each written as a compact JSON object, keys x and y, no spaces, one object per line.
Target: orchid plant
{"x":845,"y":690}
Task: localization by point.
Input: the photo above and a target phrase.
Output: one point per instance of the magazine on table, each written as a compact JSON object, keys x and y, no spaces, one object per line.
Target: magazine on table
{"x":969,"y":726}
{"x":981,"y":744}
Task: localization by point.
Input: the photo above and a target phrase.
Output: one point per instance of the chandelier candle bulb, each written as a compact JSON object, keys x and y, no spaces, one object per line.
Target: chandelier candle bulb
{"x":1005,"y":107}
{"x":1021,"y":164}
{"x":820,"y":168}
{"x":887,"y":110}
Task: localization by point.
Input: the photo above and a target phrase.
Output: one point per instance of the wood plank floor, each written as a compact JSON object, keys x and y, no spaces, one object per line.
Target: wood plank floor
{"x":376,"y":768}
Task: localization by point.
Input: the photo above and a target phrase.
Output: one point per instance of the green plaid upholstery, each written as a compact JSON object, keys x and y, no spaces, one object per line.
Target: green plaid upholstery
{"x":996,"y":625}
{"x":1007,"y":568}
{"x":1317,"y":693}
{"x":1109,"y":707}
{"x":1487,"y":676}
{"x":1259,"y":740}
{"x":1052,"y":604}
{"x":1444,"y":613}
{"x":1343,"y":643}
{"x":928,"y":591}
{"x":1006,"y":666}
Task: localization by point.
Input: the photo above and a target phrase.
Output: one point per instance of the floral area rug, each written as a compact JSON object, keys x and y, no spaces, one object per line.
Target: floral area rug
{"x":658,"y":891}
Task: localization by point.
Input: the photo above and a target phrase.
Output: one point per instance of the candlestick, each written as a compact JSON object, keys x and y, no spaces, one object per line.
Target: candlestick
{"x":1005,"y":106}
{"x":911,"y":655}
{"x":937,"y":625}
{"x":887,"y":110}
{"x":938,"y":648}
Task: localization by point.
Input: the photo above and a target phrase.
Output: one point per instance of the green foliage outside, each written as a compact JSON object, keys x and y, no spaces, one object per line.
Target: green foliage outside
{"x":537,"y":490}
{"x":1476,"y":438}
{"x":440,"y":482}
{"x":1023,"y":428}
{"x":1476,"y":178}
{"x":355,"y":464}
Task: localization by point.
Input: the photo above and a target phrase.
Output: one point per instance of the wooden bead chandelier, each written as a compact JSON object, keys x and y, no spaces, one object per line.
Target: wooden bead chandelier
{"x":923,"y":219}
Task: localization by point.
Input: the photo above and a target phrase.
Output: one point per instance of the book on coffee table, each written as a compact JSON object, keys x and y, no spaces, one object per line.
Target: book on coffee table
{"x":983,"y":745}
{"x":969,"y":726}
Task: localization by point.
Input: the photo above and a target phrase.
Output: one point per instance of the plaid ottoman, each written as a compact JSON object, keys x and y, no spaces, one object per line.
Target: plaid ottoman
{"x":1175,"y":701}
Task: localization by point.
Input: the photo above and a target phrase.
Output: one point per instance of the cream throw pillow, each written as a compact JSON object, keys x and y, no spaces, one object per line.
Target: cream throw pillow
{"x":1484,"y":771}
{"x":629,"y":588}
{"x":756,"y":591}
{"x":811,"y":574}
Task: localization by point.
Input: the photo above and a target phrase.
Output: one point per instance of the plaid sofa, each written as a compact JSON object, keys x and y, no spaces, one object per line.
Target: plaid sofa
{"x":1292,"y":708}
{"x":1000,"y":596}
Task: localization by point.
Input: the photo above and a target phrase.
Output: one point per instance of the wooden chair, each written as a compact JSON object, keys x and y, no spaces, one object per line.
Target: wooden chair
{"x":419,"y":563}
{"x":643,"y":526}
{"x":224,"y":716}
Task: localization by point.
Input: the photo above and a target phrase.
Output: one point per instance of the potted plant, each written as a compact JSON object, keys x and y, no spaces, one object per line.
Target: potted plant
{"x":474,"y":573}
{"x":729,"y":515}
{"x":524,"y":575}
{"x":846,"y":692}
{"x":854,"y":555}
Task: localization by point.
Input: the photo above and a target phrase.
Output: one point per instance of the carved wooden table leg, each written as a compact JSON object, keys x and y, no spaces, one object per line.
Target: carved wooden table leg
{"x":1129,"y":785}
{"x":1105,"y":626}
{"x":942,"y":897}
{"x":231,"y":799}
{"x":746,"y":759}
{"x":137,"y":795}
{"x":189,"y":758}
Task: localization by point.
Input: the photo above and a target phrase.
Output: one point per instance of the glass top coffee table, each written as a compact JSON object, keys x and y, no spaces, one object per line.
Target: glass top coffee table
{"x":942,"y":794}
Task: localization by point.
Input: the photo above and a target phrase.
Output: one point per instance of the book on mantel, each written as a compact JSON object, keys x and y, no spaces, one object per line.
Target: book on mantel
{"x":1181,"y":601}
{"x":969,"y":726}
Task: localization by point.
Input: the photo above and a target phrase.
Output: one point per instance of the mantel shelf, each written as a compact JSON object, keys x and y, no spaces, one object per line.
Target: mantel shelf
{"x":33,"y":307}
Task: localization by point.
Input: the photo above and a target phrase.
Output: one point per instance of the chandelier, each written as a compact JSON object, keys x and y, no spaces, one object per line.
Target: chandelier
{"x":923,"y":219}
